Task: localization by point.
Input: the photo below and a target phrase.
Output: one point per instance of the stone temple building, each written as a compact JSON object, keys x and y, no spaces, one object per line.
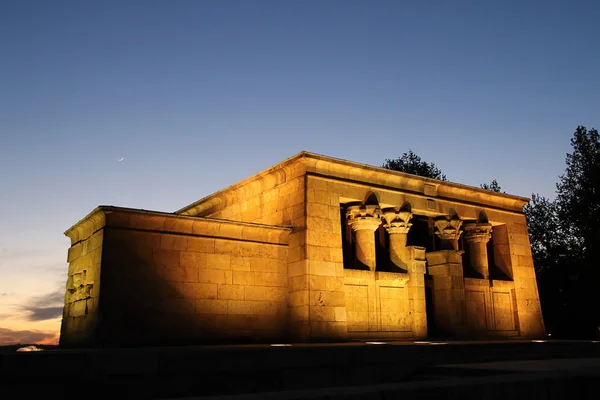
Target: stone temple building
{"x":312,"y":249}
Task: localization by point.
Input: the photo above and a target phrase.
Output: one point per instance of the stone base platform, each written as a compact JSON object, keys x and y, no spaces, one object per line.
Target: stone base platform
{"x":346,"y":370}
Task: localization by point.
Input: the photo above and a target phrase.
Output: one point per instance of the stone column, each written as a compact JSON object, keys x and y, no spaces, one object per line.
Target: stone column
{"x":397,"y":226}
{"x":476,"y":236}
{"x":412,"y":260}
{"x":448,"y":230}
{"x":415,"y":256}
{"x":445,"y":266}
{"x":364,"y":220}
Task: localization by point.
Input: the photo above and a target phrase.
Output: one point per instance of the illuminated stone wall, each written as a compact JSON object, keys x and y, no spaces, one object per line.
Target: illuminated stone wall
{"x":510,"y":296}
{"x":168,"y":279}
{"x":274,"y":197}
{"x":313,"y":248}
{"x":80,"y":312}
{"x":347,"y":303}
{"x":491,"y":309}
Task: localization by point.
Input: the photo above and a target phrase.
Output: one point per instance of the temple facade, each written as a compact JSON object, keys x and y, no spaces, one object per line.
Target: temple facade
{"x":312,"y":249}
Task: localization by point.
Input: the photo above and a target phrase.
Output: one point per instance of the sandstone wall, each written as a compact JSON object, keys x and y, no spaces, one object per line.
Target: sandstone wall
{"x":200,"y":279}
{"x":377,"y":305}
{"x":80,"y":311}
{"x":274,"y":197}
{"x":183,"y":280}
{"x":321,"y":268}
{"x":491,"y":308}
{"x":526,"y":291}
{"x":305,"y":192}
{"x":352,"y":183}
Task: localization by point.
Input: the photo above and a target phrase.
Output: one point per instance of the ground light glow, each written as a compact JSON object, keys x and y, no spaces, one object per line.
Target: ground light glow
{"x":281,"y":345}
{"x":539,"y":341}
{"x":431,"y":343}
{"x":375,"y":342}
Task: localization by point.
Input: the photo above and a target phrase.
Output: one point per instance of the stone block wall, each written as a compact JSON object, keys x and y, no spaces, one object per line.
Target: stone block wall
{"x":80,"y":311}
{"x":490,"y":308}
{"x":445,"y":267}
{"x":212,"y":272}
{"x":346,"y":303}
{"x":378,"y":305}
{"x":526,"y":290}
{"x":306,"y":191}
{"x":322,"y":267}
{"x":183,"y":280}
{"x":274,"y":197}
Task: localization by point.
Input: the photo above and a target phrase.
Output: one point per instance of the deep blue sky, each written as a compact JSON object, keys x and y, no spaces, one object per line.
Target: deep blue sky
{"x":196,"y":95}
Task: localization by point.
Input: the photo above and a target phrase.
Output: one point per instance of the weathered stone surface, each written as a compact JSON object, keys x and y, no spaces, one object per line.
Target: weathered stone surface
{"x":312,"y":248}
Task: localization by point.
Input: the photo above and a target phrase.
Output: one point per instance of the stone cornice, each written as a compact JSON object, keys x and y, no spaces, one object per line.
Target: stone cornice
{"x":87,"y":226}
{"x":428,"y":187}
{"x":311,"y":163}
{"x":137,"y":219}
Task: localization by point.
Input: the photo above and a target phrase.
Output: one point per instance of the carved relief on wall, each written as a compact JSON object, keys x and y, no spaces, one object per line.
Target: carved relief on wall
{"x":79,"y":289}
{"x":78,"y":292}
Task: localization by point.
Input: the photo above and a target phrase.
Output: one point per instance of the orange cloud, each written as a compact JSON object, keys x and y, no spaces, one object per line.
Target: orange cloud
{"x":9,"y":336}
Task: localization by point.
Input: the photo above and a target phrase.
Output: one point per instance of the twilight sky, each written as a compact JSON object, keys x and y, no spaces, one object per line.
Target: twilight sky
{"x":196,"y":95}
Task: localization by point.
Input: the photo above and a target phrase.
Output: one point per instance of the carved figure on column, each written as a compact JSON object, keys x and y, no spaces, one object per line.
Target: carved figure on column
{"x":364,"y":220}
{"x":397,"y":225}
{"x":448,"y":230}
{"x":476,"y":236}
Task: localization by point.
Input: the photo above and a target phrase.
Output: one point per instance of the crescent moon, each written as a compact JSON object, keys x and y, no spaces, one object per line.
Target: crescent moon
{"x":122,"y":158}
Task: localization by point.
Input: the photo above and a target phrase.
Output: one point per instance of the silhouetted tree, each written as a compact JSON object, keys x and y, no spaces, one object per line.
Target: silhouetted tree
{"x":565,"y":237}
{"x":413,"y":164}
{"x":578,"y":192}
{"x":545,"y":232}
{"x":555,"y":265}
{"x":493,"y":186}
{"x":578,"y":199}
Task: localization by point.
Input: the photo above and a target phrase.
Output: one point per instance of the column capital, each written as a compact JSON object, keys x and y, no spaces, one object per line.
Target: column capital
{"x":364,"y":217}
{"x":396,"y":222}
{"x":477,"y":232}
{"x":448,"y":229}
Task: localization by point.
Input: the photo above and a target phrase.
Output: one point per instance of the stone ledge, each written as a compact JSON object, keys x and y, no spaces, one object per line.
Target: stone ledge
{"x":360,"y":277}
{"x":311,"y":163}
{"x":144,"y":220}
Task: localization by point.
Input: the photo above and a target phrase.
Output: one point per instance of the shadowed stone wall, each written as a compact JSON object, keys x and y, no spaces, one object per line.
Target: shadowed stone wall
{"x":173,"y":280}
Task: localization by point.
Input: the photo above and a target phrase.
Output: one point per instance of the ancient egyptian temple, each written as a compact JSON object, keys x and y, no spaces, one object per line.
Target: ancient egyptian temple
{"x":312,"y":249}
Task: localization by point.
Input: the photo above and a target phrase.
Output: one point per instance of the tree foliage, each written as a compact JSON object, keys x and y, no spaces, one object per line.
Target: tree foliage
{"x":411,"y":163}
{"x":493,"y":186}
{"x":578,"y":192}
{"x":565,"y":237}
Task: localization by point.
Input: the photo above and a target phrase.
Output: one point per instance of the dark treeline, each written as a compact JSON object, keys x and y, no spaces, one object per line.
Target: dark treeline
{"x":565,"y":241}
